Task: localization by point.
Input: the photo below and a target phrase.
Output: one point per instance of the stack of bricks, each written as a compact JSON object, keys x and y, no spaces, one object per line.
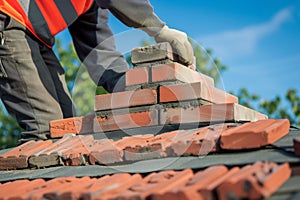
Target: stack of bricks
{"x":159,"y":91}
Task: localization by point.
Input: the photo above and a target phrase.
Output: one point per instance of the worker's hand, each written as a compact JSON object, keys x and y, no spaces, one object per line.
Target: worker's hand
{"x":180,"y":43}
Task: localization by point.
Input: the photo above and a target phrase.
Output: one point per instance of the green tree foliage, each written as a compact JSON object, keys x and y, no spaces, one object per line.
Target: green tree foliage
{"x":9,"y":130}
{"x":83,"y":89}
{"x":207,"y":64}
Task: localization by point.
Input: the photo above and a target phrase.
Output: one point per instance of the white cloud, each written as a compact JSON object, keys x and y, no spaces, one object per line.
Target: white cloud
{"x":243,"y":41}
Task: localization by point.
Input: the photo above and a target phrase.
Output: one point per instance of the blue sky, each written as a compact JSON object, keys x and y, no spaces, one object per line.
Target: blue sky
{"x":258,"y":40}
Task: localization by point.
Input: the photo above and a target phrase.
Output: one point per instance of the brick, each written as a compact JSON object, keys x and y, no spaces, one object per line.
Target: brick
{"x":183,"y":92}
{"x":209,"y":191}
{"x":160,"y":51}
{"x":66,"y":151}
{"x":135,"y":147}
{"x":105,"y":152}
{"x":49,"y":186}
{"x":23,"y":188}
{"x":48,"y":157}
{"x":71,"y":189}
{"x":197,"y":142}
{"x":75,"y":125}
{"x":104,"y":186}
{"x":209,"y":113}
{"x":150,"y":148}
{"x":199,"y":181}
{"x":156,"y":185}
{"x":125,"y":99}
{"x":79,"y":151}
{"x":17,"y":158}
{"x":76,"y":190}
{"x":126,"y":121}
{"x":254,"y":134}
{"x":137,"y":76}
{"x":9,"y":188}
{"x":297,"y":146}
{"x":165,"y":189}
{"x":258,"y":181}
{"x":101,"y":183}
{"x":178,"y":72}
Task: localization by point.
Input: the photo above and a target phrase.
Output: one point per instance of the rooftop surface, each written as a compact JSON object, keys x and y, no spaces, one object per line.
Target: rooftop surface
{"x":170,"y":135}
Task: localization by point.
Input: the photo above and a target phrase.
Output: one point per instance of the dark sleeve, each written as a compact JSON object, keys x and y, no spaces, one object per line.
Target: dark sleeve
{"x":134,"y":13}
{"x":95,"y":46}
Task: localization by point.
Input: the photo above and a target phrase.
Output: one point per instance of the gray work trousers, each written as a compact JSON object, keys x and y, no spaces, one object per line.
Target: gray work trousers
{"x":32,"y":83}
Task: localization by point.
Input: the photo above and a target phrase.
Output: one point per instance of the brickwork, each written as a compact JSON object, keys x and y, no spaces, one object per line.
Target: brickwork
{"x":160,"y":91}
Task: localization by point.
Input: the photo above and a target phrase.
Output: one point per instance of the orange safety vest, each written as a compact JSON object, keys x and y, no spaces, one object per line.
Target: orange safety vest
{"x":45,"y":18}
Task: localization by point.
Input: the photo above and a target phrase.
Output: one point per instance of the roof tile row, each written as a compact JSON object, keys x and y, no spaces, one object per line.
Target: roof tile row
{"x":252,"y":182}
{"x":82,"y":150}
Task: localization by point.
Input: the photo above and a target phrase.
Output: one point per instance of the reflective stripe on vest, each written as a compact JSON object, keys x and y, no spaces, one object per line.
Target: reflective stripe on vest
{"x":46,"y":18}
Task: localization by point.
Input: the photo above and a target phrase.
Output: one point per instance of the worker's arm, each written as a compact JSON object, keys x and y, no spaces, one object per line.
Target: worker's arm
{"x":95,"y":46}
{"x":140,"y":14}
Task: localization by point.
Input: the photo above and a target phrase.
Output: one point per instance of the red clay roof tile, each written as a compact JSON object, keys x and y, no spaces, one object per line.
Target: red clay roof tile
{"x":255,"y":134}
{"x":18,"y":157}
{"x":252,"y":182}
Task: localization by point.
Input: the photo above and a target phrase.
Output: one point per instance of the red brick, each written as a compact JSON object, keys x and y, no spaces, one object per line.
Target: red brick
{"x":158,"y":184}
{"x":208,"y":192}
{"x":150,"y":148}
{"x":76,"y":153}
{"x":17,"y":158}
{"x":255,"y":182}
{"x":176,"y":71}
{"x":168,"y":188}
{"x":24,"y":187}
{"x":109,"y":185}
{"x":125,"y":99}
{"x":254,"y":134}
{"x":101,"y":183}
{"x":105,"y":152}
{"x":76,"y":125}
{"x":71,"y":189}
{"x":49,"y":186}
{"x":182,"y":92}
{"x":199,"y":181}
{"x":126,"y":121}
{"x":137,"y":76}
{"x":48,"y":157}
{"x":297,"y":146}
{"x":209,"y":113}
{"x":8,"y":189}
{"x":196,"y":142}
{"x":66,"y":151}
{"x":135,"y":147}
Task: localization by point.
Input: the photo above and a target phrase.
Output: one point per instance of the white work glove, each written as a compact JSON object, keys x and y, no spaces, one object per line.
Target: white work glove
{"x":180,"y":44}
